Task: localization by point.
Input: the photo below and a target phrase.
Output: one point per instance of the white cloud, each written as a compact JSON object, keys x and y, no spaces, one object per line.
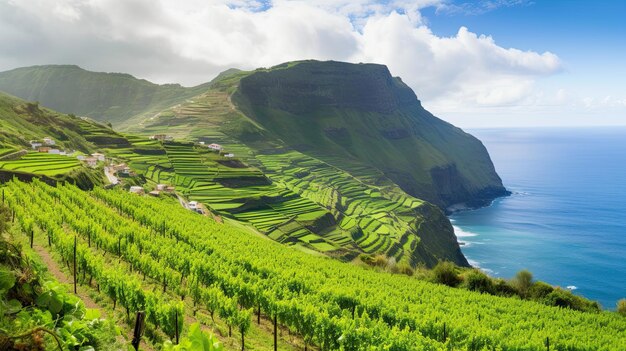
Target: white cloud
{"x":191,"y":41}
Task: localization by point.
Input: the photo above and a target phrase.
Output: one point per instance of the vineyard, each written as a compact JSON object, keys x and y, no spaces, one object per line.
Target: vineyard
{"x":152,"y":255}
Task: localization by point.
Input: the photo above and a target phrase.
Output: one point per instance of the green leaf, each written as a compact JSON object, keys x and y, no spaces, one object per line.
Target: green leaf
{"x":92,"y":313}
{"x":43,"y":300}
{"x":56,"y":304}
{"x":7,"y":280}
{"x":12,"y":306}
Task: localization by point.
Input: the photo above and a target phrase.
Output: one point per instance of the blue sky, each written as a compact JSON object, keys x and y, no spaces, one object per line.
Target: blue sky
{"x":587,"y":36}
{"x":484,"y":63}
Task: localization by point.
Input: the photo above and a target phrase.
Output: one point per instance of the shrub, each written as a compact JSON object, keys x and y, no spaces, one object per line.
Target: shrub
{"x":502,"y":288}
{"x":621,"y":307}
{"x":563,"y":298}
{"x":522,"y":283}
{"x":445,"y":273}
{"x":476,"y":280}
{"x":540,"y":290}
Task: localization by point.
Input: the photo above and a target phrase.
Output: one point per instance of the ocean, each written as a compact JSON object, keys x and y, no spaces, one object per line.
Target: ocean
{"x":566,"y":219}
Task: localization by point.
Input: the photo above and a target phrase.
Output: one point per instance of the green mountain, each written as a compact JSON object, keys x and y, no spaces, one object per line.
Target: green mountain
{"x":359,"y":111}
{"x":334,"y":157}
{"x":106,"y":97}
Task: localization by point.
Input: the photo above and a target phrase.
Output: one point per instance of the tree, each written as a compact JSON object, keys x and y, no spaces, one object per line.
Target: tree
{"x":479,"y":281}
{"x":522,"y":282}
{"x":621,"y":307}
{"x":445,"y":273}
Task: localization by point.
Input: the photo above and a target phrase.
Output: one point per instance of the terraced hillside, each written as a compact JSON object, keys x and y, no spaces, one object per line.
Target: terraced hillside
{"x":331,"y":156}
{"x":22,"y":122}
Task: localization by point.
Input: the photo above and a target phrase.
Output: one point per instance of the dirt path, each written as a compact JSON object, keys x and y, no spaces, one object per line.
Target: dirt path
{"x":81,"y":291}
{"x":63,"y":278}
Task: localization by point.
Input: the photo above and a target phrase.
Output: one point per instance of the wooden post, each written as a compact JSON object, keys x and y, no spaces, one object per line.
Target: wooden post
{"x":140,"y":326}
{"x":548,"y":343}
{"x":74,"y":264}
{"x":242,"y":341}
{"x":32,"y":237}
{"x":176,"y":327}
{"x":275,"y":332}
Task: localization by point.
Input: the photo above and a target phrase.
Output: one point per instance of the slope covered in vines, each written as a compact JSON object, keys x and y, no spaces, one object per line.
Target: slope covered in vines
{"x":235,"y":275}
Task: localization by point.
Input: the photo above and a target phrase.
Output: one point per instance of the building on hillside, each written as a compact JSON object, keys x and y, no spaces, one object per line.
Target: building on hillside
{"x":193,"y":205}
{"x":136,"y":190}
{"x":43,"y":149}
{"x":99,"y":157}
{"x":229,"y":155}
{"x":81,"y":157}
{"x":63,"y":153}
{"x":49,"y":141}
{"x":35,"y":144}
{"x":216,"y":147}
{"x":91,"y":162}
{"x":170,"y":189}
{"x":162,"y":137}
{"x":54,"y":151}
{"x":201,"y":142}
{"x":155,"y":193}
{"x":161,"y":187}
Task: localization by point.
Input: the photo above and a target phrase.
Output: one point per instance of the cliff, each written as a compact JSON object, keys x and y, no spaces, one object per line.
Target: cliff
{"x":359,"y":111}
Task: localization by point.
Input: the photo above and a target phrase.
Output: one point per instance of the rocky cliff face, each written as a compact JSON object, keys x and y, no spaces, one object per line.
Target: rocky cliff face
{"x":360,"y":111}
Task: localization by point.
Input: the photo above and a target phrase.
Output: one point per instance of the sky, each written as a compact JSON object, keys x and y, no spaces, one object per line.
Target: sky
{"x":476,"y":64}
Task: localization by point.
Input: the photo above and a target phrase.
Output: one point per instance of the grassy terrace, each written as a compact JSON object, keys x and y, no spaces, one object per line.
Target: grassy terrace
{"x":371,"y":212}
{"x":42,"y":164}
{"x":230,"y":187}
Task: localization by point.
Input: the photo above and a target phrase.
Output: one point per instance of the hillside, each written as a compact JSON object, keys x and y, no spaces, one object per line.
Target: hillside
{"x":152,"y":255}
{"x":106,"y":97}
{"x":335,"y":157}
{"x":361,"y":112}
{"x":22,"y":122}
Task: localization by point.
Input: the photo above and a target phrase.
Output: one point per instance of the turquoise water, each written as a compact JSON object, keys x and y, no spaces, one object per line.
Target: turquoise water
{"x":566,"y":219}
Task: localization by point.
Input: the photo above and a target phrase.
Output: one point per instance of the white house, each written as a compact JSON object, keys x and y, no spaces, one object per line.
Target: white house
{"x":81,"y":157}
{"x":161,"y":187}
{"x":136,"y":190}
{"x":63,"y":153}
{"x":229,"y":155}
{"x":48,"y":141}
{"x":162,"y":137}
{"x":54,"y":151}
{"x":193,"y":205}
{"x":99,"y":157}
{"x":201,"y":142}
{"x":216,"y":147}
{"x":35,"y":144}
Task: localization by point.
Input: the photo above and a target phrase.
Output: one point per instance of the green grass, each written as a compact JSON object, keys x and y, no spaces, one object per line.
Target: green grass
{"x":42,"y":164}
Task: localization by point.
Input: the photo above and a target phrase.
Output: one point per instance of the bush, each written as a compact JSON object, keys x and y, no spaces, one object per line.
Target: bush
{"x":563,"y":298}
{"x":476,"y":280}
{"x":502,"y":288}
{"x":540,"y":290}
{"x":621,"y":307}
{"x":445,"y":273}
{"x":522,"y":282}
